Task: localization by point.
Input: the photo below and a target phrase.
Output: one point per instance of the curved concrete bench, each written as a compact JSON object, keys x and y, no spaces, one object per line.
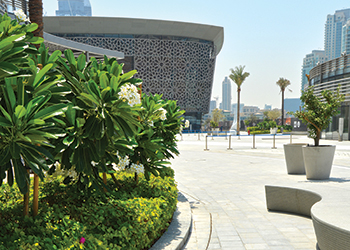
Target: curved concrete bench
{"x":331,"y":216}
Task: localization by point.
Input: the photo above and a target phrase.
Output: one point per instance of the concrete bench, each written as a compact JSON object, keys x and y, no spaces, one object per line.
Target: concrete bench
{"x":329,"y":210}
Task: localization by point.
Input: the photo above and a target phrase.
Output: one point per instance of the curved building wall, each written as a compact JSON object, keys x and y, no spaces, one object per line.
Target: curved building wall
{"x":175,"y":59}
{"x":329,"y":76}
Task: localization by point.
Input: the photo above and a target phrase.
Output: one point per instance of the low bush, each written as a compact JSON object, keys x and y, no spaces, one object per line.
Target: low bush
{"x":130,"y":217}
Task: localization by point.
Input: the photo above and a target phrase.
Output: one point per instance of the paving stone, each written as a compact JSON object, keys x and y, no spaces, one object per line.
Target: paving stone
{"x":227,"y":196}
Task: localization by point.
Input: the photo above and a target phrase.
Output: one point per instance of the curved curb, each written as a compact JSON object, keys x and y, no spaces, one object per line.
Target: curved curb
{"x":178,"y":231}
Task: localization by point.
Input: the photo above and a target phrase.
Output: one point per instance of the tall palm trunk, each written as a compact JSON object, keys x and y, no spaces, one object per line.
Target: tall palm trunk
{"x":238,"y":101}
{"x":282,"y":107}
{"x":35,"y":8}
{"x":36,"y":16}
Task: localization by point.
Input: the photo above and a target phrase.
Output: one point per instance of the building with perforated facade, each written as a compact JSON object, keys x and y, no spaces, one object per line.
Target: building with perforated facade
{"x":176,"y":59}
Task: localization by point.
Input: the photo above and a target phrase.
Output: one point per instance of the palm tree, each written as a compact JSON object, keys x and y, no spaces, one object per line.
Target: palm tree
{"x":36,"y":16}
{"x":283,"y":83}
{"x":238,"y":76}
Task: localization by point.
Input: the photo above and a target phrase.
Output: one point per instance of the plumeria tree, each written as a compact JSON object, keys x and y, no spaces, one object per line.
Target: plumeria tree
{"x":64,"y":116}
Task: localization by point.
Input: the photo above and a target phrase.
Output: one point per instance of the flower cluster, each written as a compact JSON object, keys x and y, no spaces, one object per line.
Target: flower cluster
{"x":129,"y":93}
{"x":135,"y":168}
{"x":21,"y":16}
{"x":187,"y":123}
{"x":123,"y":162}
{"x":163,"y":114}
{"x":61,"y":172}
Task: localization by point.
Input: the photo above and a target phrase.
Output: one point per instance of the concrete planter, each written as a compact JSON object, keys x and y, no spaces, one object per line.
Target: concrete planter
{"x":294,"y":158}
{"x":273,"y":131}
{"x":318,"y":161}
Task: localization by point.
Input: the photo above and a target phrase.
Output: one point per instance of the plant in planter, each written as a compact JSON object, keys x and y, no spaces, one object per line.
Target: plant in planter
{"x":317,"y":114}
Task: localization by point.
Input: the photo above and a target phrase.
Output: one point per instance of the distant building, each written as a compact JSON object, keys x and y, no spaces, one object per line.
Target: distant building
{"x":234,"y":107}
{"x":333,"y":33}
{"x":212,"y":105}
{"x":310,"y":61}
{"x":226,"y":94}
{"x":74,"y":8}
{"x":267,"y":107}
{"x":345,"y":43}
{"x":250,"y":109}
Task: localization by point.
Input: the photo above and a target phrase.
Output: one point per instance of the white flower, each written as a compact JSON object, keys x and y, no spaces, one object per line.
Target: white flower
{"x":129,"y":93}
{"x":163,"y":114}
{"x":136,"y":168}
{"x":21,"y":16}
{"x":151,"y":123}
{"x":187,"y":123}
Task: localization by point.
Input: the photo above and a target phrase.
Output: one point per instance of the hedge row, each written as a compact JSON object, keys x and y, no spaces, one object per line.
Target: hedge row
{"x":132,"y":217}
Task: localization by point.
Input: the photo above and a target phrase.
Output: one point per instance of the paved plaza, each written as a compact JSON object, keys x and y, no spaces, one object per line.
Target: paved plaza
{"x":226,"y":191}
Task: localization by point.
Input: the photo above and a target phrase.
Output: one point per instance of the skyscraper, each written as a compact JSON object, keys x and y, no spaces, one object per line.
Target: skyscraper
{"x":310,"y":61}
{"x":345,"y":43}
{"x":333,"y":33}
{"x":226,"y":94}
{"x":73,"y":8}
{"x":212,"y":105}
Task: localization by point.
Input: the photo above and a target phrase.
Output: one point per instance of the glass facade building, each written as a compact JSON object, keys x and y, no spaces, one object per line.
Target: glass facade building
{"x":74,"y":8}
{"x":333,"y":33}
{"x":226,"y":94}
{"x":310,"y":61}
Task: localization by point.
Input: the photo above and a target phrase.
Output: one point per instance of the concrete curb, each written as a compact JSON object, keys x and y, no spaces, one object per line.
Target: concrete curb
{"x":179,"y":229}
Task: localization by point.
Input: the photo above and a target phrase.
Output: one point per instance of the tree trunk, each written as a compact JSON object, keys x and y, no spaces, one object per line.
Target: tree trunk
{"x":238,"y":101}
{"x":26,"y":201}
{"x":36,"y":16}
{"x":317,"y":139}
{"x":282,"y":107}
{"x":36,"y":195}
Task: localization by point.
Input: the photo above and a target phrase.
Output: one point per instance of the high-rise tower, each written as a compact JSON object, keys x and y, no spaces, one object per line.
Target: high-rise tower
{"x":345,"y":43}
{"x":226,"y":94}
{"x":73,"y":8}
{"x":311,"y":60}
{"x":333,"y":33}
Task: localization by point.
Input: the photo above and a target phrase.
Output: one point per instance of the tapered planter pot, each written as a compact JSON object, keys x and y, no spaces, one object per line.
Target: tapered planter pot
{"x":318,"y":161}
{"x":294,"y":158}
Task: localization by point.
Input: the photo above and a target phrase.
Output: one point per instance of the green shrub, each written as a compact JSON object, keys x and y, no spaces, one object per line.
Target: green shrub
{"x":132,"y":217}
{"x":258,"y":132}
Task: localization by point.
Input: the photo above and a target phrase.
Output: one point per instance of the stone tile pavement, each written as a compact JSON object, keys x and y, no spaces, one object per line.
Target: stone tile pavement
{"x":226,"y":192}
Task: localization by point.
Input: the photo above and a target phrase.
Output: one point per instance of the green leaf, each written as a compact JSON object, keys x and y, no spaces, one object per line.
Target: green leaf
{"x":8,"y":117}
{"x":4,"y":122}
{"x":81,"y":62}
{"x":41,"y":74}
{"x":21,"y":176}
{"x":101,"y":146}
{"x":20,"y":111}
{"x":9,"y":68}
{"x":128,"y":75}
{"x":36,"y":40}
{"x":10,"y":93}
{"x":70,"y":57}
{"x":31,"y":27}
{"x":54,"y":110}
{"x":104,"y":81}
{"x":54,"y":56}
{"x":10,"y":175}
{"x":114,"y":83}
{"x":86,"y":97}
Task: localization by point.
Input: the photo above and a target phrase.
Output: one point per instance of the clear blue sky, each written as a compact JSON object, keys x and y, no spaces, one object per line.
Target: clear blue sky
{"x":269,"y":37}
